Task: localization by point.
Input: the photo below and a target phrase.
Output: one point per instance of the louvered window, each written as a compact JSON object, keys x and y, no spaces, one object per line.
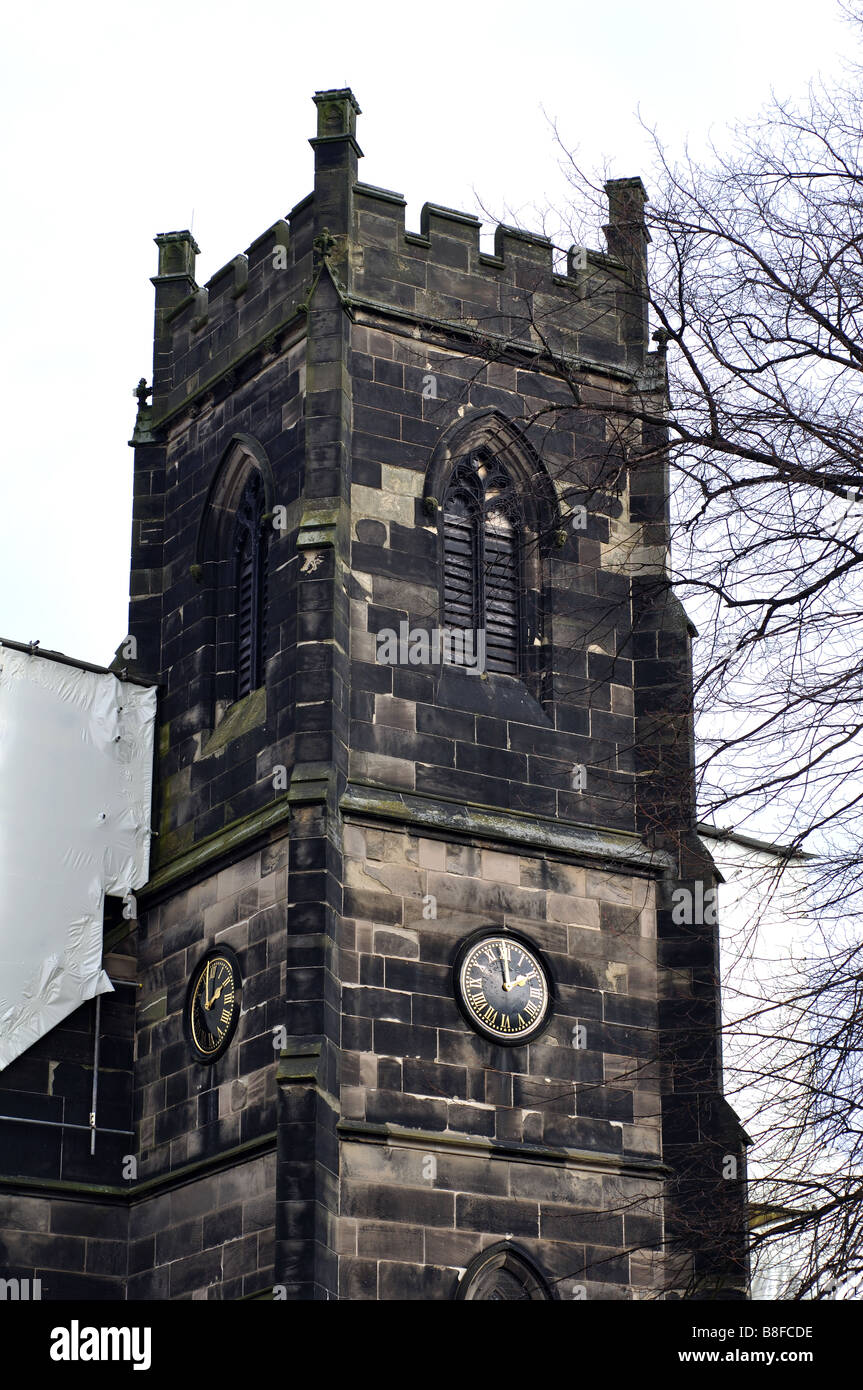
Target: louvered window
{"x":251,"y":581}
{"x":460,"y":566}
{"x":501,"y":594}
{"x":481,"y":538}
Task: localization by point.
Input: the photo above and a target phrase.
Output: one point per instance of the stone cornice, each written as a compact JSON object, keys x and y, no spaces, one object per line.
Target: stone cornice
{"x":398,"y":1136}
{"x":455,"y":819}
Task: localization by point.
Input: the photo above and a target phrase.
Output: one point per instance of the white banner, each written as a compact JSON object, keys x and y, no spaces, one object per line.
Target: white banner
{"x":76,"y":769}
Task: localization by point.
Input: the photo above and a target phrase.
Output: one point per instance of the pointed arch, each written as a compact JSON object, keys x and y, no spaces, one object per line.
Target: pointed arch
{"x":482,"y":526}
{"x":242,"y":453}
{"x":231,"y":560}
{"x":503,"y":1273}
{"x":491,"y":430}
{"x":496,"y":511}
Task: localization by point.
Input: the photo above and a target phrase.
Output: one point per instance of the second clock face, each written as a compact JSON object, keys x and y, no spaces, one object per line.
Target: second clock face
{"x":213,"y":1005}
{"x":503,"y":988}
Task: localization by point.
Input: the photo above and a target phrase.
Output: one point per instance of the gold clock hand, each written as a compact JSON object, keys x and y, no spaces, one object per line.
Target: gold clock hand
{"x":207,"y":1002}
{"x":218,"y":992}
{"x":504,"y":955}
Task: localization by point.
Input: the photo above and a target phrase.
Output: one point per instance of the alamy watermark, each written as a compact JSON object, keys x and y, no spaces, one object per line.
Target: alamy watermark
{"x":20,"y":1290}
{"x":694,"y":908}
{"x":409,"y":646}
{"x":77,"y":1343}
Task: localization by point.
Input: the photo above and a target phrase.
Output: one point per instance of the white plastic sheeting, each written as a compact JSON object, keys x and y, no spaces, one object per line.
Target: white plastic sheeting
{"x":76,"y":767}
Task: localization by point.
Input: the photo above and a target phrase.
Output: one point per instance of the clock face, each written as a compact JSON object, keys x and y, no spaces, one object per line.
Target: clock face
{"x":503,"y":988}
{"x":213,"y":1005}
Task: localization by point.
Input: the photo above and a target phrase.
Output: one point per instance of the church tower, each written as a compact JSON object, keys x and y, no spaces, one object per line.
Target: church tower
{"x":418,"y":1017}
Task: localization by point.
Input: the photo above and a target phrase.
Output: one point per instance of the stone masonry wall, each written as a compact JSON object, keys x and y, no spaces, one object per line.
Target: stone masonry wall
{"x":494,"y":740}
{"x":212,"y":1238}
{"x":591,"y":1111}
{"x":76,"y":1247}
{"x":213,"y":1235}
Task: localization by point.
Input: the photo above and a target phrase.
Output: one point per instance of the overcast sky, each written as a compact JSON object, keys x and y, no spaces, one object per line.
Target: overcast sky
{"x":122,"y":120}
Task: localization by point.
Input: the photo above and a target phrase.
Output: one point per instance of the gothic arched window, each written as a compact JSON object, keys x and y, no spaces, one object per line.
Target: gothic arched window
{"x":502,"y":1274}
{"x":481,"y":558}
{"x":250,"y":560}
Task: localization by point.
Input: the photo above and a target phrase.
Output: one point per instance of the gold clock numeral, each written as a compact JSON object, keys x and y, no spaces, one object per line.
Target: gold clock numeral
{"x":531,"y":1009}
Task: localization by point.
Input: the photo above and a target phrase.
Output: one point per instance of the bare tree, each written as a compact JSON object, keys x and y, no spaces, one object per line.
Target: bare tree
{"x":751,"y":406}
{"x":756,"y":294}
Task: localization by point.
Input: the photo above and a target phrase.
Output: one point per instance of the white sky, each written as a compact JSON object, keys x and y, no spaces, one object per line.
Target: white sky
{"x":122,"y":120}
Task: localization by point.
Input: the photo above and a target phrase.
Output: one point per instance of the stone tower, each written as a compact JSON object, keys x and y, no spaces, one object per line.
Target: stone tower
{"x":398,"y":568}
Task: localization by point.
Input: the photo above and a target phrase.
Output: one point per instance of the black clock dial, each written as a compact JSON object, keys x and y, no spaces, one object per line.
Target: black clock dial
{"x":213,"y":1005}
{"x":503,"y":988}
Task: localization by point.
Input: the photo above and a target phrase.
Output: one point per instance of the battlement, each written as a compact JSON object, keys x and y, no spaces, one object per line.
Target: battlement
{"x":439,"y":278}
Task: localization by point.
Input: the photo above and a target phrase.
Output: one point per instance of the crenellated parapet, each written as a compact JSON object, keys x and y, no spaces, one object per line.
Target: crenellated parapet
{"x":205,"y":333}
{"x":442,"y":277}
{"x":589,"y":309}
